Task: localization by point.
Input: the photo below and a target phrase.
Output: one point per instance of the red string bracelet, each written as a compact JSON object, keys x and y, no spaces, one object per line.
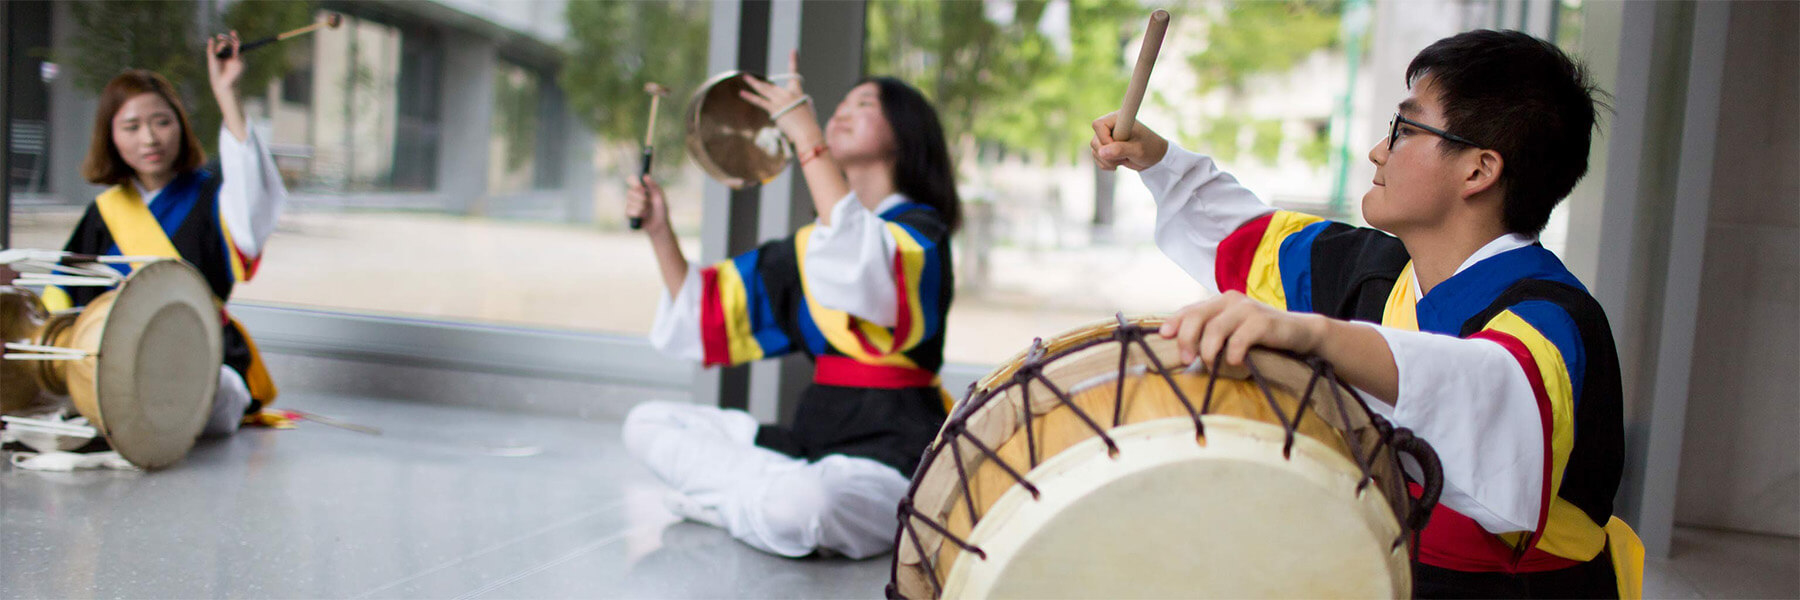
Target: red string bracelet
{"x":814,"y":153}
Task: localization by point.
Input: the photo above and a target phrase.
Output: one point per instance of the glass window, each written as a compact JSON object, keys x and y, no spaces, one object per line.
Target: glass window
{"x":467,"y":159}
{"x":450,"y":159}
{"x":1052,"y":241}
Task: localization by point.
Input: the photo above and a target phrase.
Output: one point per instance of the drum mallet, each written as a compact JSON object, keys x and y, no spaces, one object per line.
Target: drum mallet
{"x":1140,"y":77}
{"x":656,"y":92}
{"x":332,"y":20}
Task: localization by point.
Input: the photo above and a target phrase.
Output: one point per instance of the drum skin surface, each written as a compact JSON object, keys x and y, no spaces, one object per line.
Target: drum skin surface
{"x":151,"y":385}
{"x":1169,"y":518}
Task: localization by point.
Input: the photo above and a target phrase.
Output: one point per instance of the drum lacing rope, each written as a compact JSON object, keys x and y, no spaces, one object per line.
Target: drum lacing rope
{"x":1356,"y":450}
{"x":992,"y":456}
{"x":1031,"y":446}
{"x":953,"y":434}
{"x":1112,"y":448}
{"x":907,"y":515}
{"x":1033,"y":370}
{"x":1124,"y":339}
{"x":1384,"y":436}
{"x":1312,"y":383}
{"x":910,"y":514}
{"x":1324,"y":370}
{"x":1138,"y":334}
{"x":1404,"y":442}
{"x":1400,"y":439}
{"x":963,"y":434}
{"x":1262,"y":384}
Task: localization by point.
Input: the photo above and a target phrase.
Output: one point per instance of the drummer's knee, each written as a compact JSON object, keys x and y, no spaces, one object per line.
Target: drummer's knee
{"x":793,"y":508}
{"x":229,"y":402}
{"x":642,"y":424}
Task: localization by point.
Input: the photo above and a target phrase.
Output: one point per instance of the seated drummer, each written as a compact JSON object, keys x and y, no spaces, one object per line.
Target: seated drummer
{"x":863,"y":293}
{"x":163,"y":203}
{"x":1487,"y":347}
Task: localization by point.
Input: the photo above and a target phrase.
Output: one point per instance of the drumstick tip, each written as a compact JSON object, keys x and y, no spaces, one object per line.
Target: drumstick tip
{"x":1160,"y":16}
{"x":333,"y":20}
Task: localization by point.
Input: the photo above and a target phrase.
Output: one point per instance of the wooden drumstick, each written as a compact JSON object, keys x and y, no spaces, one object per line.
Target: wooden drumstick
{"x":1140,"y":77}
{"x":332,"y":20}
{"x":656,"y":92}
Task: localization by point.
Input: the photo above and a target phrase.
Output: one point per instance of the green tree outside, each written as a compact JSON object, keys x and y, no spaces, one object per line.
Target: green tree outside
{"x":165,"y":37}
{"x":1009,"y":85}
{"x":614,"y":48}
{"x":1246,"y":38}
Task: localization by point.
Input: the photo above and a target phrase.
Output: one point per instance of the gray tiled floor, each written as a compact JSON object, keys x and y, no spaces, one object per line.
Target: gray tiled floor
{"x":454,"y":502}
{"x":435,"y":507}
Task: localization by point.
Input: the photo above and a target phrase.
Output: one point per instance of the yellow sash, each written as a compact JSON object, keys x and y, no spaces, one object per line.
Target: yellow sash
{"x":1402,"y":312}
{"x":132,"y":226}
{"x":1627,"y":558}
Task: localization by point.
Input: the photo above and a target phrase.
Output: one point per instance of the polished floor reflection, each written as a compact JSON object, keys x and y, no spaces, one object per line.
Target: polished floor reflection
{"x":453,"y":502}
{"x":447,"y":502}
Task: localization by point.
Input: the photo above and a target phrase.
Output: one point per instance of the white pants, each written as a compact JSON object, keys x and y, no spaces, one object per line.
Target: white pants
{"x":228,"y":404}
{"x":774,"y":502}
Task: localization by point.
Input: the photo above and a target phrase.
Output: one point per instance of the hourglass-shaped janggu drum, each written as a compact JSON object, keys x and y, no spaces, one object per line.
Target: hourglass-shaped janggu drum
{"x":140,"y":361}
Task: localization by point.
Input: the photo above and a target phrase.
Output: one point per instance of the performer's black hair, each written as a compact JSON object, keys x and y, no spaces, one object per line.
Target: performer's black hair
{"x":1521,"y":97}
{"x":922,"y":168}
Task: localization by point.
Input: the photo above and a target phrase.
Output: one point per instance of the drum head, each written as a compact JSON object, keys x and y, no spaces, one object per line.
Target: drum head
{"x":159,"y":363}
{"x":1168,"y":518}
{"x":733,"y":140}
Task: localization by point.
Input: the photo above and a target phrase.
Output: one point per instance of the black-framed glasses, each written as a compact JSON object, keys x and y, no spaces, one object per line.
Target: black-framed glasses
{"x":1394,"y":132}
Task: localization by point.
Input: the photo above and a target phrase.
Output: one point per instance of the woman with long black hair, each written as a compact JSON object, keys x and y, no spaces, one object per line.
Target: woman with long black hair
{"x":863,"y":292}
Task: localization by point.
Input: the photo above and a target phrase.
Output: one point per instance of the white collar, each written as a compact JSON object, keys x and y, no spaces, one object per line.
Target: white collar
{"x":893,"y":200}
{"x":147,"y":195}
{"x":884,"y":206}
{"x":1500,"y":245}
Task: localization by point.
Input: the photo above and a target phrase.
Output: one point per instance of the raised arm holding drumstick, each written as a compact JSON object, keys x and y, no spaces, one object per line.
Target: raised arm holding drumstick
{"x":331,"y":21}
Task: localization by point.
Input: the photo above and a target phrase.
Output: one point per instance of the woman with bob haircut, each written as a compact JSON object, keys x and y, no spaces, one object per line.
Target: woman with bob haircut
{"x":163,"y":202}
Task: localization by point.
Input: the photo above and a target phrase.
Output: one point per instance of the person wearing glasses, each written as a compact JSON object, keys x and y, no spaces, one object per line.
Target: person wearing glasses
{"x":1446,"y":312}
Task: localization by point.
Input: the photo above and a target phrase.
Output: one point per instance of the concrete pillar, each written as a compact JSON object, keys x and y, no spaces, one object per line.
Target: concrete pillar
{"x":738,"y":41}
{"x":71,"y":119}
{"x":829,"y":35}
{"x":5,"y":134}
{"x":466,"y":121}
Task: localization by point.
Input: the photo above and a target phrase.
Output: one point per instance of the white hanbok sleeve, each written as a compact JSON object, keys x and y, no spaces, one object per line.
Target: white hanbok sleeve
{"x":850,"y":264}
{"x":676,"y":331}
{"x":1472,"y":402}
{"x":251,"y":195}
{"x":1197,"y":207}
